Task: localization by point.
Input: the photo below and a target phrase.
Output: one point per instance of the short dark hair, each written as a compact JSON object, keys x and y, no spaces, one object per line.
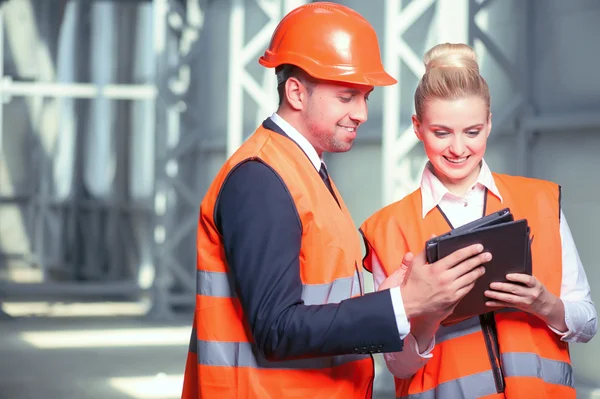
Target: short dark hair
{"x":286,"y":71}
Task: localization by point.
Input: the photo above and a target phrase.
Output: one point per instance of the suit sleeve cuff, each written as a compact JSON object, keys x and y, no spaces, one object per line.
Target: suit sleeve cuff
{"x":401,"y":319}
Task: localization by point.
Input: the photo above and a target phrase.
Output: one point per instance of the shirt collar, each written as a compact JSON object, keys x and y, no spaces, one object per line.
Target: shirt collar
{"x":432,"y":189}
{"x":296,"y":136}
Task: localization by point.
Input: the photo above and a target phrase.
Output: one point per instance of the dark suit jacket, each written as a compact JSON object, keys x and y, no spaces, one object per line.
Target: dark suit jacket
{"x":262,"y":235}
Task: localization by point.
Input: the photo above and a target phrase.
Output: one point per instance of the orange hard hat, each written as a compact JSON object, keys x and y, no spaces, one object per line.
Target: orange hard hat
{"x":328,"y":41}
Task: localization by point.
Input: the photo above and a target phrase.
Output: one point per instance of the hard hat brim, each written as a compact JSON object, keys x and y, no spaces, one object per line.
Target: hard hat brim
{"x":339,"y":73}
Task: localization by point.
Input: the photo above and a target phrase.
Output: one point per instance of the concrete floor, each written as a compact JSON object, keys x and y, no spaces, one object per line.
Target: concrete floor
{"x":72,"y":358}
{"x":109,"y":358}
{"x":27,"y":371}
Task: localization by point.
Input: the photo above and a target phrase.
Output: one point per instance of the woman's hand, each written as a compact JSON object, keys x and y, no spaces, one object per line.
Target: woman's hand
{"x":530,"y":296}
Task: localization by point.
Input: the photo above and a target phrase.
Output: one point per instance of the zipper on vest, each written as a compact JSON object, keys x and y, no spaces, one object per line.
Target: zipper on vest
{"x":488,"y":327}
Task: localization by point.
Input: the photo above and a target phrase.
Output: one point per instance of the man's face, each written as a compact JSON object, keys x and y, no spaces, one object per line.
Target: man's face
{"x":333,"y":113}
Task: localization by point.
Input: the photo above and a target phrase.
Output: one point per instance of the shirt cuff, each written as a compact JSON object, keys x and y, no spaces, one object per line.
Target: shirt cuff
{"x":401,"y":319}
{"x":426,"y":354}
{"x":406,"y":363}
{"x":564,"y":336}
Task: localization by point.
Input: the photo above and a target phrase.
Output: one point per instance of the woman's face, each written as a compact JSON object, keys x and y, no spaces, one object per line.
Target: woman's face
{"x":454,"y":134}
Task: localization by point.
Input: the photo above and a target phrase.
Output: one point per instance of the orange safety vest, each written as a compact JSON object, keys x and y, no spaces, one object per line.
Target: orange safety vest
{"x":518,"y":356}
{"x":223,"y":360}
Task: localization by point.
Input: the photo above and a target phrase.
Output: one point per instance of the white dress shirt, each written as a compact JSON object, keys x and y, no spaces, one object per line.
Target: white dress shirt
{"x":397,"y":304}
{"x":580,"y":314}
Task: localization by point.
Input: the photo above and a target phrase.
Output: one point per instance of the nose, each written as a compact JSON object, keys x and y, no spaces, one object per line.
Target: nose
{"x":457,"y":148}
{"x":360,"y":111}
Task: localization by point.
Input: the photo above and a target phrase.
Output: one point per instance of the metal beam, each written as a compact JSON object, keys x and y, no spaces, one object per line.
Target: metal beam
{"x":573,"y":121}
{"x":1,"y":75}
{"x":241,"y":53}
{"x":400,"y":175}
{"x":177,"y":32}
{"x":50,"y":210}
{"x":516,"y":73}
{"x":400,"y":172}
{"x":514,"y":114}
{"x":62,"y":290}
{"x":9,"y":87}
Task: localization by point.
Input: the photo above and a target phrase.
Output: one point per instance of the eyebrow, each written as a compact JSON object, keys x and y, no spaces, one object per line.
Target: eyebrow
{"x":355,"y":91}
{"x":447,"y":128}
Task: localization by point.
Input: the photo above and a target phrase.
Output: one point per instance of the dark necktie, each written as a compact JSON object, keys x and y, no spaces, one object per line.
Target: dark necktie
{"x":325,"y":177}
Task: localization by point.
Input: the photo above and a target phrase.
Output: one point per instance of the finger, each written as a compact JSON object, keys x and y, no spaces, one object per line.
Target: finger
{"x":420,"y":258}
{"x":464,"y":291}
{"x":522,"y":278}
{"x":468,"y":278}
{"x":497,"y":304}
{"x":509,"y":288}
{"x":504,"y":297}
{"x":394,"y":273}
{"x":397,"y":271}
{"x":407,"y":260}
{"x":468,"y":265}
{"x":459,"y":256}
{"x":392,"y":280}
{"x":407,"y":265}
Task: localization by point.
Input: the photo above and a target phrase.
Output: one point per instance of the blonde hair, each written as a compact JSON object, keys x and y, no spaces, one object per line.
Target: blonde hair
{"x":451,"y":72}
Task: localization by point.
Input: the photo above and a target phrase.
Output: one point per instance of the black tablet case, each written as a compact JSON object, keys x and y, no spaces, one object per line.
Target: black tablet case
{"x":506,"y":239}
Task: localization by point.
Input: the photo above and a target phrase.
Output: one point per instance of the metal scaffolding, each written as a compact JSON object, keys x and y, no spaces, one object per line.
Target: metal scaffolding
{"x":509,"y":119}
{"x":161,"y":225}
{"x":177,"y":45}
{"x":244,"y":50}
{"x":175,"y":279}
{"x":401,"y":173}
{"x":177,"y":26}
{"x":53,"y":218}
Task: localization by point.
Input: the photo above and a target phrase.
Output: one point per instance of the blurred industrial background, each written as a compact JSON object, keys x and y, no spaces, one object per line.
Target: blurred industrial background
{"x":116,"y":115}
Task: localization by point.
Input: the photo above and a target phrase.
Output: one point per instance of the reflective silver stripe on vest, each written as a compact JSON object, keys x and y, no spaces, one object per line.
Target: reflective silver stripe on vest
{"x":461,"y":329}
{"x":517,"y":364}
{"x":334,"y":292}
{"x":514,"y":365}
{"x":215,"y":284}
{"x":465,"y":327}
{"x":218,"y":284}
{"x":473,"y":386}
{"x":244,"y":354}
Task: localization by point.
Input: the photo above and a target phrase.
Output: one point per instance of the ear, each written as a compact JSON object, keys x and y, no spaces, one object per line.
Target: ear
{"x":489,"y":125}
{"x":417,"y":127}
{"x":294,"y":93}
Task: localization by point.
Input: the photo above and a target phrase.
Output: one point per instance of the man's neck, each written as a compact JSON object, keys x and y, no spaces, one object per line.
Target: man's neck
{"x":295,"y":120}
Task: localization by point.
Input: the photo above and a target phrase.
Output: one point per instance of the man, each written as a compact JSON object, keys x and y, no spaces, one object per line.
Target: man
{"x":280,"y":307}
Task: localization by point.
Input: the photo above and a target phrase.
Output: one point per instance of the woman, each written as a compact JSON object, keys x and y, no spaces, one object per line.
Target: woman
{"x":520,"y":350}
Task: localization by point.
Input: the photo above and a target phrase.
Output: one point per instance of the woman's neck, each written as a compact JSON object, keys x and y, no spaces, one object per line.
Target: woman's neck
{"x":459,"y":187}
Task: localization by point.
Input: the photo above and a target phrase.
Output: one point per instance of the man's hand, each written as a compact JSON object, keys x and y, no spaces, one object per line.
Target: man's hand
{"x":397,"y":278}
{"x":433,"y":290}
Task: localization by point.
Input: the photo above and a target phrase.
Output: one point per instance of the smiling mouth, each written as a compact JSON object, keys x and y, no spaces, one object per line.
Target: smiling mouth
{"x":348,"y":128}
{"x":457,"y":160}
